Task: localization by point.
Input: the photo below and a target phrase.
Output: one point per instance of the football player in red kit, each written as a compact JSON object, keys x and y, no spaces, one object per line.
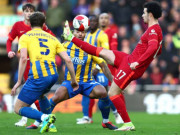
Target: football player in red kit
{"x":18,"y":29}
{"x":129,"y":66}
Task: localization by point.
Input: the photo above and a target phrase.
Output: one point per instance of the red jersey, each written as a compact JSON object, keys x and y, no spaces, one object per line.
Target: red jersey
{"x":18,"y":29}
{"x":112,"y":36}
{"x":148,"y":47}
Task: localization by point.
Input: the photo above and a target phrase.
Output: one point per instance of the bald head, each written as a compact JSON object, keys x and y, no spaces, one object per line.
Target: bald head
{"x":104,"y":20}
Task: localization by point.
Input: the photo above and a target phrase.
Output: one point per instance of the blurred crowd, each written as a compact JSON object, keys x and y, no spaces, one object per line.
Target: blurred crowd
{"x":126,"y":20}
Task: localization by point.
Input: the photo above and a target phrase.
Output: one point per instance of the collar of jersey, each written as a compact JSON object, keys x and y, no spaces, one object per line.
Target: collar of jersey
{"x":37,"y":29}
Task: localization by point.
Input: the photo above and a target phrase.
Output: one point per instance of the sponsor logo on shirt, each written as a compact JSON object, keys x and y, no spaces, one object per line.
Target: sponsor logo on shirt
{"x":21,"y":31}
{"x":77,"y":60}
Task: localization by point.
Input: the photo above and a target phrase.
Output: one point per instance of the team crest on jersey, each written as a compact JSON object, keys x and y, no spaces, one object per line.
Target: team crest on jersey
{"x":153,"y":32}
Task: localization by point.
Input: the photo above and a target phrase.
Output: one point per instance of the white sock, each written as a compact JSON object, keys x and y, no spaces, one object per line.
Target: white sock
{"x":85,"y":117}
{"x":24,"y":118}
{"x":36,"y":123}
{"x":105,"y":120}
{"x":43,"y":117}
{"x":115,"y":112}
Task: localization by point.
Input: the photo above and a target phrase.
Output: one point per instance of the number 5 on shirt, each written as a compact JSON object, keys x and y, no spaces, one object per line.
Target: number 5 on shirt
{"x":45,"y":46}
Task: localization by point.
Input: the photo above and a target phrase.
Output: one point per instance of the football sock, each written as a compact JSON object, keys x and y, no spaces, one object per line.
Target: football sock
{"x":45,"y":105}
{"x":104,"y":106}
{"x":121,"y":107}
{"x":105,"y":120}
{"x":52,"y":103}
{"x":36,"y":123}
{"x":112,"y":106}
{"x":91,"y":104}
{"x":43,"y":116}
{"x":85,"y":105}
{"x":30,"y":113}
{"x":90,"y":49}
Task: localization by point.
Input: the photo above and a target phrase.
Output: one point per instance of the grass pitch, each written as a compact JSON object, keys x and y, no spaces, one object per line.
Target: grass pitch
{"x":66,"y":124}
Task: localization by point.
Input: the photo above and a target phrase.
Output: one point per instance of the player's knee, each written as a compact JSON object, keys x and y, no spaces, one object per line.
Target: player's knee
{"x":16,"y":109}
{"x":110,"y":94}
{"x":103,"y":94}
{"x":60,"y":95}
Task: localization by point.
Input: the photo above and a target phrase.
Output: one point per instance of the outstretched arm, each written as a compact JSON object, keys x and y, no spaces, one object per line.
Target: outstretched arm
{"x":70,"y":67}
{"x":106,"y":71}
{"x":22,"y":66}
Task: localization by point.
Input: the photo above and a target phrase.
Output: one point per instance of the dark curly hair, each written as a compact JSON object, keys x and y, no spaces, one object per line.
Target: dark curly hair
{"x":154,"y":8}
{"x":37,"y":19}
{"x":28,"y":5}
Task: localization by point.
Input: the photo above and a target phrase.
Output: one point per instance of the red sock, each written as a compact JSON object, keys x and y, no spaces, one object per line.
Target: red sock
{"x":121,"y":107}
{"x":90,"y":49}
{"x":91,"y":104}
{"x":122,"y":97}
{"x":37,"y":104}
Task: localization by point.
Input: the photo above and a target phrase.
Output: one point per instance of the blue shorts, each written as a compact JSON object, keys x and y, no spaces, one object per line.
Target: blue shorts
{"x":85,"y":88}
{"x":34,"y":88}
{"x":102,"y":79}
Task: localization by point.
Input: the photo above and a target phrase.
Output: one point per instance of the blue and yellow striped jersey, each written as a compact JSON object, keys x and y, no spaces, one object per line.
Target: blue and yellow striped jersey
{"x":98,"y":39}
{"x":42,"y":48}
{"x":82,"y":62}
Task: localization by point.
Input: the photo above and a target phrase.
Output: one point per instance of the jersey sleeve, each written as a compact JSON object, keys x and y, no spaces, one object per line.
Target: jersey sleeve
{"x":104,"y":41}
{"x":46,"y":29}
{"x":60,"y":48}
{"x":153,"y":46}
{"x":11,"y":36}
{"x":97,"y":60}
{"x":23,"y":42}
{"x":114,"y":42}
{"x":13,"y":33}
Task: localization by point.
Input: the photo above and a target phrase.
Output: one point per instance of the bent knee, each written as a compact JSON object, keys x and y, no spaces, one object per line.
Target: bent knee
{"x":16,"y":110}
{"x":103,"y":94}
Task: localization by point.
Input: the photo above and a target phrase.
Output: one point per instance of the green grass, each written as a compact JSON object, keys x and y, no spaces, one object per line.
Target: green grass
{"x":66,"y":125}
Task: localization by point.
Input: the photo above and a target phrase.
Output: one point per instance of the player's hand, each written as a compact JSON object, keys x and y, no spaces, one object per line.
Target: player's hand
{"x":75,"y":85}
{"x":13,"y":91}
{"x":11,"y":54}
{"x":133,"y":65}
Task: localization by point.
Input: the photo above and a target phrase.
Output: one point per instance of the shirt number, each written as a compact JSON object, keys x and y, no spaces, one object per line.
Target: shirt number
{"x":45,"y":46}
{"x":101,"y":79}
{"x":120,"y":75}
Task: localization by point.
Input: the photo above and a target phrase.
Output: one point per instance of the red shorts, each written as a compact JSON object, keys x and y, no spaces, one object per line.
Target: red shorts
{"x":124,"y":75}
{"x":26,"y":72}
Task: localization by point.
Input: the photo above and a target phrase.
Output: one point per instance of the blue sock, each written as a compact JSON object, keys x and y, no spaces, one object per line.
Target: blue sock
{"x":104,"y":106}
{"x":45,"y":105}
{"x":112,"y":106}
{"x":52,"y":104}
{"x":30,"y":113}
{"x":85,"y":105}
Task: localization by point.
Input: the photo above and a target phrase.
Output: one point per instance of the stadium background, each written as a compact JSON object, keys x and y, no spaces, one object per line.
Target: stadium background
{"x":158,"y":91}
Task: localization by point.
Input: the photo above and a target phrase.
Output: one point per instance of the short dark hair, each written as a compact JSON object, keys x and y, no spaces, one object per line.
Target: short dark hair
{"x":28,"y":5}
{"x":154,"y":7}
{"x":37,"y":19}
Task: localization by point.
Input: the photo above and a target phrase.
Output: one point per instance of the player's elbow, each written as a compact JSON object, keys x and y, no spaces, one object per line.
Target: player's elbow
{"x":68,"y":60}
{"x":23,"y":59}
